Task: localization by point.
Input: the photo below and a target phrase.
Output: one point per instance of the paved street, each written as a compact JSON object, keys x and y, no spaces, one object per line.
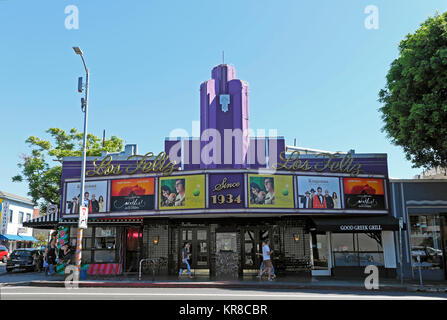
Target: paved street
{"x":51,"y":293}
{"x":10,"y":289}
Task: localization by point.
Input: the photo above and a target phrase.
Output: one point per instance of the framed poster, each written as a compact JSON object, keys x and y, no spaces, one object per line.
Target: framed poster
{"x":95,"y":197}
{"x":182,"y":192}
{"x":364,"y":193}
{"x":226,"y":191}
{"x":270,"y":191}
{"x":318,"y":192}
{"x":133,"y":194}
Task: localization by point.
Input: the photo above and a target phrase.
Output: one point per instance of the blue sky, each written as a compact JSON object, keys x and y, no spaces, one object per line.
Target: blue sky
{"x":313,"y":68}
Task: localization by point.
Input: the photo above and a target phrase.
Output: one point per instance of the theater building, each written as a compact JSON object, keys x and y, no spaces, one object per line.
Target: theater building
{"x":225,"y":192}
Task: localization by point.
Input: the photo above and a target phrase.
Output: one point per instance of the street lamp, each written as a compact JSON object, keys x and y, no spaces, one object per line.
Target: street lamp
{"x":84,"y":108}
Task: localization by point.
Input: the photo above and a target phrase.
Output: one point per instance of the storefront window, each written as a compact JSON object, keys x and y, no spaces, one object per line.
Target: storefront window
{"x":357,"y":249}
{"x":98,"y":244}
{"x":426,"y":242}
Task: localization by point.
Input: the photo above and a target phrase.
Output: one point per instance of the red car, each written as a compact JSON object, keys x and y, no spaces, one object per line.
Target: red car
{"x":3,"y":253}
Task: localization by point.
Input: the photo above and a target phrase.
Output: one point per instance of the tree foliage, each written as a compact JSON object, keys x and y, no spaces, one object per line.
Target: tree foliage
{"x":415,"y":96}
{"x":43,"y":177}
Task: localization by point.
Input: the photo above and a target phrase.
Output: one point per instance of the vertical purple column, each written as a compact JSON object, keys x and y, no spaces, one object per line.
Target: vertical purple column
{"x":224,"y":113}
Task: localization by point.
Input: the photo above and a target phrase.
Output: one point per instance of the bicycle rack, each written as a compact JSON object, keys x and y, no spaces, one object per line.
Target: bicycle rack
{"x":152,"y":261}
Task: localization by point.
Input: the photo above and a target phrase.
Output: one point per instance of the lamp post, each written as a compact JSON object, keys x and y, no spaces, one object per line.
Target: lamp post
{"x":84,"y":108}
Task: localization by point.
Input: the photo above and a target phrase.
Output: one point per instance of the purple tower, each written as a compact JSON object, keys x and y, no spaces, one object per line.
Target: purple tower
{"x":224,"y":120}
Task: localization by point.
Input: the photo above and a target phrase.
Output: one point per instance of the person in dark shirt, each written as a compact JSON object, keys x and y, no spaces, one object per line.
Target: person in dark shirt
{"x":329,"y":200}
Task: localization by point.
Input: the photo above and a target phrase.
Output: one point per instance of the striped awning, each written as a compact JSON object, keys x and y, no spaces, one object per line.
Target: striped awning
{"x":49,"y":220}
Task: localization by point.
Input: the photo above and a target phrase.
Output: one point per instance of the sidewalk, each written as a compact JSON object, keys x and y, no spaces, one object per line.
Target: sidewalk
{"x":248,"y":282}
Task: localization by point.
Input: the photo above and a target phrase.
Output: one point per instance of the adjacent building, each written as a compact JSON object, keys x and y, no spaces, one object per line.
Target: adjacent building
{"x":15,"y":211}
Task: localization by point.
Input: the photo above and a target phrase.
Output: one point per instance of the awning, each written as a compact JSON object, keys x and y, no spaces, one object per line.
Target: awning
{"x":356,"y":224}
{"x":48,"y":221}
{"x":27,"y":238}
{"x":10,"y":237}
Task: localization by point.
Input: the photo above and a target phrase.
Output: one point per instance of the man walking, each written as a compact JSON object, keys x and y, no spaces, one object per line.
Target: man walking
{"x":266,"y":253}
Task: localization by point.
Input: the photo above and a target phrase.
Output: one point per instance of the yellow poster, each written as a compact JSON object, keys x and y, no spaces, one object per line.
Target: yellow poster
{"x":270,"y":191}
{"x":182,"y":192}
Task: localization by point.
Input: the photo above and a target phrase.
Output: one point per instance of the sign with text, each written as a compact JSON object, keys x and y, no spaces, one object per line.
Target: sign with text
{"x":270,"y":191}
{"x":83,"y":217}
{"x":182,"y":192}
{"x":95,"y":197}
{"x":364,"y":193}
{"x":226,"y":191}
{"x":318,"y":192}
{"x":132,"y":194}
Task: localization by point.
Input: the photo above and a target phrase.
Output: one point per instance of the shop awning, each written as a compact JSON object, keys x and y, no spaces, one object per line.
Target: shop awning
{"x":356,"y":224}
{"x":27,"y":238}
{"x":10,"y":237}
{"x":48,"y":221}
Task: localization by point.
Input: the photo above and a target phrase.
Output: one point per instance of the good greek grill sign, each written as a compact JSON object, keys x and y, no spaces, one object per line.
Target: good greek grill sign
{"x":361,"y":227}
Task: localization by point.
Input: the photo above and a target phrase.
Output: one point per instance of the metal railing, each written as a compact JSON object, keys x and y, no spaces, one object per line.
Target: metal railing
{"x":153,"y":264}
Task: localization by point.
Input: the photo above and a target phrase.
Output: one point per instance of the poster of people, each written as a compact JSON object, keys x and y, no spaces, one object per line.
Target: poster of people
{"x":182,"y":192}
{"x":133,"y":194}
{"x":95,"y":197}
{"x":318,"y":192}
{"x":270,"y":191}
{"x":364,"y":193}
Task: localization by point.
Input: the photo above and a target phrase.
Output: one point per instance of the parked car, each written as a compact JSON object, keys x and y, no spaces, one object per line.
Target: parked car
{"x":3,"y":253}
{"x":21,"y":259}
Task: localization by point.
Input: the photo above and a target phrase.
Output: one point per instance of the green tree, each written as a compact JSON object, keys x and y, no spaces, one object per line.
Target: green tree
{"x":41,"y":240}
{"x":43,"y":178}
{"x":415,"y":96}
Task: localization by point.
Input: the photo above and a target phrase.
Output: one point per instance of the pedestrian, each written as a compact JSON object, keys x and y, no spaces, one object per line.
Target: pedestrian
{"x":36,"y":261}
{"x":266,"y":256}
{"x":50,"y":257}
{"x":263,"y":268}
{"x":65,"y":254}
{"x":185,"y":264}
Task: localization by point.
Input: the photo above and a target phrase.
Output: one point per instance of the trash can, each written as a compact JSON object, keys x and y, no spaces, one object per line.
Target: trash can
{"x":83,"y":274}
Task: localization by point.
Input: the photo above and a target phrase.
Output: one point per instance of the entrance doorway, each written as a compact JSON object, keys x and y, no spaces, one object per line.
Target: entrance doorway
{"x":198,"y":239}
{"x":252,"y":238}
{"x":132,"y":245}
{"x":321,"y":254}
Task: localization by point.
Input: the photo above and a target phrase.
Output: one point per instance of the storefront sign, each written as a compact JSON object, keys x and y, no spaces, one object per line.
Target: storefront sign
{"x":363,"y":227}
{"x":182,"y":192}
{"x":132,"y":194}
{"x":318,"y":192}
{"x":270,"y":191}
{"x":364,"y":193}
{"x":144,"y":164}
{"x":333,"y":163}
{"x":226,"y":191}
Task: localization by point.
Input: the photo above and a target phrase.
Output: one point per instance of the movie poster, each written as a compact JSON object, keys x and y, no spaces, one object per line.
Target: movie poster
{"x":364,"y":193}
{"x":270,"y":191}
{"x":182,"y":192}
{"x":95,"y":197}
{"x":133,"y":194}
{"x":318,"y":192}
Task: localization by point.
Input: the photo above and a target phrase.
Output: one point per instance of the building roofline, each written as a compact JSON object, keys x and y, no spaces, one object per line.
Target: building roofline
{"x":14,"y":197}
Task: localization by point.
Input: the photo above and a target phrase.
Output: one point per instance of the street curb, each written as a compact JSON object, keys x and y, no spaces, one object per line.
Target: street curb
{"x":91,"y":284}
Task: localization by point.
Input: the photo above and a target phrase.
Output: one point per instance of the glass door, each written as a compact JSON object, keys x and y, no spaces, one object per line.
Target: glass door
{"x":252,"y":238}
{"x":320,"y":254}
{"x":198,"y":240}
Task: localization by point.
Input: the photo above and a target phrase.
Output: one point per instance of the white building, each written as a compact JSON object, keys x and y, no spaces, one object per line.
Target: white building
{"x":15,"y":210}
